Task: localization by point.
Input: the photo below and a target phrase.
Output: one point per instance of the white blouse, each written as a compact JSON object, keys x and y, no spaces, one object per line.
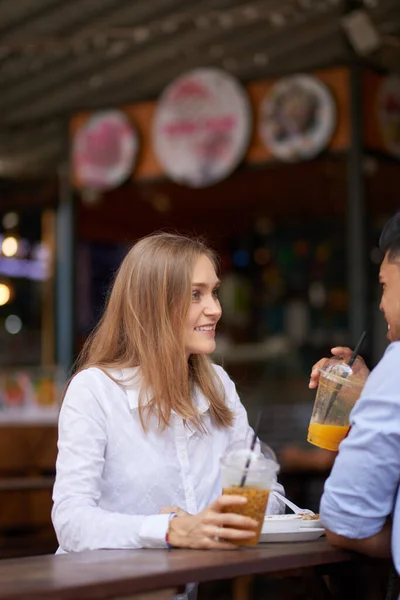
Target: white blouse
{"x":112,"y":478}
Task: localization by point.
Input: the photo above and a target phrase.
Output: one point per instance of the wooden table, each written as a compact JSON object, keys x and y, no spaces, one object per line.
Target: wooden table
{"x":124,"y":573}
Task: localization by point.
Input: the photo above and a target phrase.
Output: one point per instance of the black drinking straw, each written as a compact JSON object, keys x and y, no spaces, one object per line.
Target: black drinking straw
{"x":350,"y":364}
{"x":253,"y":443}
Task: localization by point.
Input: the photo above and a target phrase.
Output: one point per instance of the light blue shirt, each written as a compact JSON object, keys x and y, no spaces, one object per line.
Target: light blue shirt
{"x":361,"y":490}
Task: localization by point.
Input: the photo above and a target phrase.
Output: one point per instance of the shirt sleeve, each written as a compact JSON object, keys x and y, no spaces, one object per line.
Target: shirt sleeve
{"x":242,"y":432}
{"x":360,"y":492}
{"x":79,"y":522}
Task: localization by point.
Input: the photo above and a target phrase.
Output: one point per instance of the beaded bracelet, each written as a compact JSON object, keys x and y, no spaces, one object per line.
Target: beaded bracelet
{"x":171,"y":516}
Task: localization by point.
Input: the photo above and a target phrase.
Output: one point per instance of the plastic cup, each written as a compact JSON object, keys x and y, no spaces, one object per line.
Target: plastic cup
{"x":338,"y":389}
{"x":260,"y":475}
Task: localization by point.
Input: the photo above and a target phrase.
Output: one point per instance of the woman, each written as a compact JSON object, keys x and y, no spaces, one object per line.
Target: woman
{"x":147,"y":416}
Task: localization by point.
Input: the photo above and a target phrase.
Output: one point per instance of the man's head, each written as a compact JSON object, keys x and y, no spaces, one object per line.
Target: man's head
{"x":389,"y":276}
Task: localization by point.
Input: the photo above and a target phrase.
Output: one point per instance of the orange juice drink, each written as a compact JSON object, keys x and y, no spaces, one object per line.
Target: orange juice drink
{"x":338,"y":390}
{"x":326,"y":436}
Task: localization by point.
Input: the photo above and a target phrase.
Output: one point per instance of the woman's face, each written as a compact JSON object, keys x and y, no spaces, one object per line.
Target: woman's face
{"x":205,"y":309}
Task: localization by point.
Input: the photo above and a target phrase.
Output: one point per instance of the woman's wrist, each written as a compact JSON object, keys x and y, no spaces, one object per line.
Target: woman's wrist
{"x":177,"y":532}
{"x":172,"y":516}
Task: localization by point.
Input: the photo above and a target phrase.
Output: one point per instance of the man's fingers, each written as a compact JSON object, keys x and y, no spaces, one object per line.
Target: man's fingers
{"x":345,"y":353}
{"x":339,"y":352}
{"x":342,"y":352}
{"x":314,"y":377}
{"x":318,"y":365}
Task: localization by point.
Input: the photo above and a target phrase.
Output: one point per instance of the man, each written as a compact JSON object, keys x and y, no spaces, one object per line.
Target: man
{"x":360,"y":506}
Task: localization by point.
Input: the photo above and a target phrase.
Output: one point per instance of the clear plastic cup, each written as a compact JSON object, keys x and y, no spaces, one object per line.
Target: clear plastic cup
{"x":253,"y":482}
{"x":338,"y":389}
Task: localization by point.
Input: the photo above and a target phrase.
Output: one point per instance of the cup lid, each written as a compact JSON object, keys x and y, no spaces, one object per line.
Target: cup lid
{"x":339,"y":372}
{"x":238,"y":459}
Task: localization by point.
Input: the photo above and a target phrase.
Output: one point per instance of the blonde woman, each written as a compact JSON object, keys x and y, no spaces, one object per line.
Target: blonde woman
{"x":147,"y":415}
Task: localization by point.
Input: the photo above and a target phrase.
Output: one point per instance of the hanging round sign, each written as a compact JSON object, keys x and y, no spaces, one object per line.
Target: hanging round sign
{"x":298,"y":118}
{"x":389,"y":113}
{"x":104,"y":150}
{"x":202,"y":127}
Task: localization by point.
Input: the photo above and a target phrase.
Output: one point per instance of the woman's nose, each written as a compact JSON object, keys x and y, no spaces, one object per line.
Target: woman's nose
{"x":213,"y":307}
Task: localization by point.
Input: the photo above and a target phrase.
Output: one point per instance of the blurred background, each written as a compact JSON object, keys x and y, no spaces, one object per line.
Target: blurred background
{"x":271,"y":127}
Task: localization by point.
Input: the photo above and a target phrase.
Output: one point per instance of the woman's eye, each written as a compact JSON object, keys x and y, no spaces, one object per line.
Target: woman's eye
{"x":215,"y":292}
{"x":195,"y":295}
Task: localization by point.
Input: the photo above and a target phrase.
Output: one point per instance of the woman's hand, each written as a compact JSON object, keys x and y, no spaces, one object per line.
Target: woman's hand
{"x":358,"y":367}
{"x":173,"y":509}
{"x":212,"y":528}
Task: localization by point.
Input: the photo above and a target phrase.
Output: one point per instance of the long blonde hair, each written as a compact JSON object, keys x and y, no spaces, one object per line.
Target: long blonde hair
{"x":143,"y":326}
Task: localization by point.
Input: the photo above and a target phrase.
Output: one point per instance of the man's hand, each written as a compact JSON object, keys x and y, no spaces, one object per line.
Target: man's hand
{"x":359,"y":367}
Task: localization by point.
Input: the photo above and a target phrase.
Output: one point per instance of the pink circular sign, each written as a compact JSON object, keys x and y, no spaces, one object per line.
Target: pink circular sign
{"x":202,"y":127}
{"x":104,"y":150}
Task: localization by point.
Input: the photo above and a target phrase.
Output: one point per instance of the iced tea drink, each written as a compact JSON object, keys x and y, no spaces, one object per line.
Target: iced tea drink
{"x":259,"y":477}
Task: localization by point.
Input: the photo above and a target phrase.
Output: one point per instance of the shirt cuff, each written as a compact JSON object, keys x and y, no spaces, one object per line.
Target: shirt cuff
{"x":353,"y":526}
{"x":153,"y":531}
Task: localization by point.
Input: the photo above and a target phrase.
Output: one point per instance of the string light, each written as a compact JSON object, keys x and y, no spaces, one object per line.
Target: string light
{"x":250,"y":12}
{"x":237,"y":16}
{"x":226,"y":20}
{"x":9,"y":246}
{"x":13,"y":324}
{"x":5,"y":294}
{"x":118,"y":48}
{"x":141,"y":34}
{"x":277,"y":19}
{"x":169,"y":26}
{"x":10,"y":220}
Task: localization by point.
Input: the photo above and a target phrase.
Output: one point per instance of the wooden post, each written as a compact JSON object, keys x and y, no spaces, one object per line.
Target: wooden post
{"x":65,"y":273}
{"x":356,"y":231}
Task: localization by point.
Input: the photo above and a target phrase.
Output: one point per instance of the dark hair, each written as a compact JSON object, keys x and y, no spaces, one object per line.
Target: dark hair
{"x":389,"y":242}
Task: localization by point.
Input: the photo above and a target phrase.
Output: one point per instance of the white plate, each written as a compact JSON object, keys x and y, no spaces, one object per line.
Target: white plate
{"x":302,"y":535}
{"x":281,"y":523}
